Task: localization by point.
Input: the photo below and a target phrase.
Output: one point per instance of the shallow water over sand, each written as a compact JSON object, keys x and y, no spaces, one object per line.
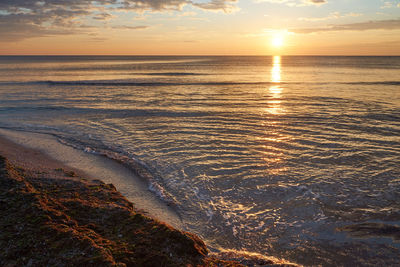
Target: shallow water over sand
{"x":265,"y":154}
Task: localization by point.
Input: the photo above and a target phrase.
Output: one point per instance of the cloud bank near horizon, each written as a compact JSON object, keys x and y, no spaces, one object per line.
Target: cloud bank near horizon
{"x":393,"y":24}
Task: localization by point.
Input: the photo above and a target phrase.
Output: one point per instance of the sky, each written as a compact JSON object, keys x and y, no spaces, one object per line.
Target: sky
{"x":200,"y":27}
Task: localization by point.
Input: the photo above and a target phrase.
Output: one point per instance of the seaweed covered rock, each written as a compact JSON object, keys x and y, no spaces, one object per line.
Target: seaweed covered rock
{"x":59,"y":219}
{"x":72,"y":222}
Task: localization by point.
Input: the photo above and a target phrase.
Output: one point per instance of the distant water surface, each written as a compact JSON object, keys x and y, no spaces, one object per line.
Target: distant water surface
{"x":296,"y":157}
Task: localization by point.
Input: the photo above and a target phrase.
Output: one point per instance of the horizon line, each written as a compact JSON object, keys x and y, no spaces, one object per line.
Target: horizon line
{"x":197,"y":55}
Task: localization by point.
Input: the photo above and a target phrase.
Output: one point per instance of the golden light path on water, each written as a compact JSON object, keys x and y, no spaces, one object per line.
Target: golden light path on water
{"x":274,"y":104}
{"x":273,"y":153}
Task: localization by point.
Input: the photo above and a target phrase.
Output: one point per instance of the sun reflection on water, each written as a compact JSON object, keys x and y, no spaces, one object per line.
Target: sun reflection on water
{"x":276,"y":70}
{"x":272,"y":154}
{"x":274,"y":104}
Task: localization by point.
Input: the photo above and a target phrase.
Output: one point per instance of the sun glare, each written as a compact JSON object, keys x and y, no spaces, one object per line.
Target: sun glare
{"x":277,"y":41}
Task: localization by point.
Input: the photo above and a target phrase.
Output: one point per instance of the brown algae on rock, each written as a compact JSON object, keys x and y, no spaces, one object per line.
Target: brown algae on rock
{"x":64,"y":222}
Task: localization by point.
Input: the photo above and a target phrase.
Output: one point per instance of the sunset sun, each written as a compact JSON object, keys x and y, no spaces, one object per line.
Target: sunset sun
{"x":277,"y":41}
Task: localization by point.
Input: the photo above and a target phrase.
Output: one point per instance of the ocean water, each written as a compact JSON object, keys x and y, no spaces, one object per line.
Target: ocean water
{"x":295,"y":157}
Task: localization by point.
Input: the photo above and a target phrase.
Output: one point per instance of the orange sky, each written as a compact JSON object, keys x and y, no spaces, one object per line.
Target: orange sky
{"x":218,"y":27}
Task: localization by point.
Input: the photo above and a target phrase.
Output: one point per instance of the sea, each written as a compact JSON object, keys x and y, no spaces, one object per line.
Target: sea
{"x":297,"y":157}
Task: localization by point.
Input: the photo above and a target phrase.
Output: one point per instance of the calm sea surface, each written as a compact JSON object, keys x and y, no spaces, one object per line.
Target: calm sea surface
{"x":275,"y":155}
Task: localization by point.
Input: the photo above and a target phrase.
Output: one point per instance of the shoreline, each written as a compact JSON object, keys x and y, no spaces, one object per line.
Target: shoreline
{"x":50,"y":185}
{"x":91,"y":166}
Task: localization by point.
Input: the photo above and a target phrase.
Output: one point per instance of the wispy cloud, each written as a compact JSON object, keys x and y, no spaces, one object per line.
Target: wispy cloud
{"x":296,"y":2}
{"x":124,"y":27}
{"x":317,"y":2}
{"x":228,"y":6}
{"x":390,"y":4}
{"x":103,"y":16}
{"x":333,"y":15}
{"x":360,"y":26}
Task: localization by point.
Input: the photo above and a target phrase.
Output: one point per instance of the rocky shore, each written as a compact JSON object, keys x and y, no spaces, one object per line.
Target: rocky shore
{"x":52,"y":217}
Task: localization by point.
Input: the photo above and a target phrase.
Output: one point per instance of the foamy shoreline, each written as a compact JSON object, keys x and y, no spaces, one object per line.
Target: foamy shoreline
{"x":97,"y":167}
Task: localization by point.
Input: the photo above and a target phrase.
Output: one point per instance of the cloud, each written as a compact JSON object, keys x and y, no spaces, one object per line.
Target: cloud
{"x":157,"y":5}
{"x":21,"y":19}
{"x":297,"y":3}
{"x":228,"y":6}
{"x":390,"y":4}
{"x":103,"y":16}
{"x":26,"y":19}
{"x":15,"y":28}
{"x":124,"y":27}
{"x":393,"y":24}
{"x":333,"y":15}
{"x":387,"y":4}
{"x":317,"y":2}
